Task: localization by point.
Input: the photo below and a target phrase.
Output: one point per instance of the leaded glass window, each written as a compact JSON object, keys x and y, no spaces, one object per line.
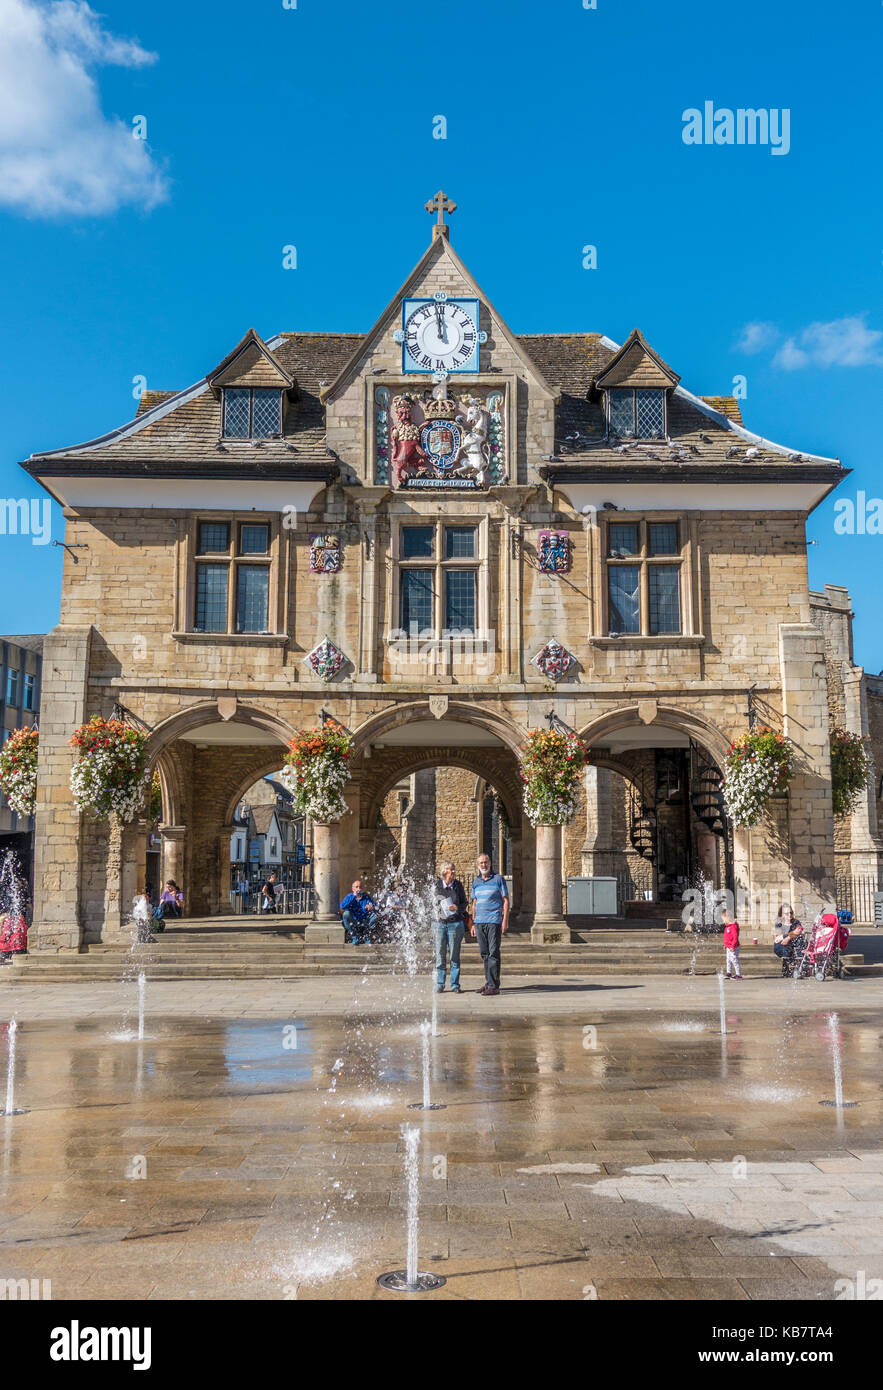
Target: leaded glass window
{"x":624,"y":598}
{"x":214,"y":538}
{"x":266,"y":413}
{"x":664,"y":604}
{"x":636,"y":414}
{"x":650,"y":414}
{"x":417,"y":542}
{"x":623,"y":538}
{"x":644,"y":595}
{"x":237,"y":413}
{"x":662,"y":538}
{"x":459,"y":542}
{"x":252,"y":594}
{"x":211,"y":598}
{"x":252,"y":414}
{"x":460,"y":600}
{"x":622,"y":413}
{"x":416,"y":600}
{"x":253,"y":538}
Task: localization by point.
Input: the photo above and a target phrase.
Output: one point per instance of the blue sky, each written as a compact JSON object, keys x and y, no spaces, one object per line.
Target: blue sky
{"x":313,"y":126}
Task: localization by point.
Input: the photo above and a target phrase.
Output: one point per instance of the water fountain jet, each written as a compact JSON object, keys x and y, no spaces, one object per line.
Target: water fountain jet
{"x":426,"y":1103}
{"x":10,"y":1109}
{"x":723,"y":1007}
{"x":838,"y":1103}
{"x":410,"y":1280}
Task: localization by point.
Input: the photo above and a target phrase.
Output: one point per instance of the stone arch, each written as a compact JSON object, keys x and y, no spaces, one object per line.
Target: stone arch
{"x":419,"y":711}
{"x":489,"y":764}
{"x":687,"y":722}
{"x":262,"y":769}
{"x":208,"y":712}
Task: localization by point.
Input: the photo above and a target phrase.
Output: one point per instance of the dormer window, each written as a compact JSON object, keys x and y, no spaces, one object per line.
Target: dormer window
{"x":252,"y":412}
{"x":636,"y":414}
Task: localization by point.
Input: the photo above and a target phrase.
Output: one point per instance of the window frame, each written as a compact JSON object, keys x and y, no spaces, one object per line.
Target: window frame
{"x":608,"y":404}
{"x":277,"y":434}
{"x":233,"y":558}
{"x":643,"y":561}
{"x":438,"y":565}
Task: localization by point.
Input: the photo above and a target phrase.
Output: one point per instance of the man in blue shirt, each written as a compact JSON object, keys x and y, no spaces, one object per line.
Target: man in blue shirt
{"x":490,"y":918}
{"x":359,"y":915}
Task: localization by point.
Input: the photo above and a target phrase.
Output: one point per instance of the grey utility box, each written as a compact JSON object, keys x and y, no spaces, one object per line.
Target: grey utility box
{"x":878,"y":909}
{"x":591,"y":897}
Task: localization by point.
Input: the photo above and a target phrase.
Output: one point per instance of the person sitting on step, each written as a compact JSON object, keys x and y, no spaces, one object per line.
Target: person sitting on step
{"x":359,"y":914}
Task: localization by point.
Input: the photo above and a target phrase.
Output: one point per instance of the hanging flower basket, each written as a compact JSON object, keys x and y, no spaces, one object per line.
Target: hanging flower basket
{"x":109,"y":776}
{"x":18,"y":770}
{"x":759,"y":765}
{"x":851,"y":770}
{"x":551,"y":763}
{"x":317,"y":770}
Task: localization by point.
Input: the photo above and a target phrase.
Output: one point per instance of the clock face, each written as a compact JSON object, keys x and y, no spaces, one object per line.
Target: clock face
{"x":440,"y":335}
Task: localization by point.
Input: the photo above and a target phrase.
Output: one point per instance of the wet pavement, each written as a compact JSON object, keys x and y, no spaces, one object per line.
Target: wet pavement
{"x":598,"y":1140}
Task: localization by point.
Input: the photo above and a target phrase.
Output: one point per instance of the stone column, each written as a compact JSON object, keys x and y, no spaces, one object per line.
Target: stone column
{"x":549,"y":924}
{"x":173,"y":847}
{"x":864,"y":840}
{"x":126,"y":863}
{"x":810,"y":834}
{"x":224,"y":905}
{"x":58,"y":838}
{"x":326,"y":927}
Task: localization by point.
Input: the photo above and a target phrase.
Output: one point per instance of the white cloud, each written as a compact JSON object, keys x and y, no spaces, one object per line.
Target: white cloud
{"x":59,"y":154}
{"x":846,"y":342}
{"x":757,"y":336}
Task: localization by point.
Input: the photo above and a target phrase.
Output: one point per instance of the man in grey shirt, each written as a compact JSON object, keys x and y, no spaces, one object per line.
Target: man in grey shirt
{"x":490,"y":919}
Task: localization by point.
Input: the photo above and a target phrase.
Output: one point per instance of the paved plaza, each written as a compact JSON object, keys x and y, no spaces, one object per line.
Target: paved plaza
{"x":600,"y":1139}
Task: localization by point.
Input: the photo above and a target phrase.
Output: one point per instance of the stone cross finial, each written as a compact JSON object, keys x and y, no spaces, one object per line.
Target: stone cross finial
{"x":441,"y":204}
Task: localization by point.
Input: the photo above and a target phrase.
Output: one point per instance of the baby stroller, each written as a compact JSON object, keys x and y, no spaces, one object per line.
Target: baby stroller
{"x":821,"y":948}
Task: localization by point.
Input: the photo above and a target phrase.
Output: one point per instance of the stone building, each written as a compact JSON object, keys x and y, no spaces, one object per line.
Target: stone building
{"x":442,"y":534}
{"x":20,"y":668}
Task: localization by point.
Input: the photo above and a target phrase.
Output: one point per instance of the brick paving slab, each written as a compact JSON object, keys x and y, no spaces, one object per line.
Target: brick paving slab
{"x":660,"y":1165}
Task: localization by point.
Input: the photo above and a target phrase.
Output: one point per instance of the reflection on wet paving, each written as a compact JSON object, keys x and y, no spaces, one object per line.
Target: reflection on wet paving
{"x":638,"y":1156}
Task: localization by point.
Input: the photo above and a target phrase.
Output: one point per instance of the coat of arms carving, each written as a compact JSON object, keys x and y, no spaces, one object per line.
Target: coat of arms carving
{"x":439,"y":440}
{"x":325,"y":553}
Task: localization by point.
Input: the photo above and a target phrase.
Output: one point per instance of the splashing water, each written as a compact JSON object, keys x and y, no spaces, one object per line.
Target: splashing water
{"x":836,"y":1058}
{"x":142,"y":991}
{"x":412,"y":1173}
{"x":14,"y":897}
{"x":10,"y":1069}
{"x":425,"y":1033}
{"x":723,"y":1007}
{"x":434,"y":1009}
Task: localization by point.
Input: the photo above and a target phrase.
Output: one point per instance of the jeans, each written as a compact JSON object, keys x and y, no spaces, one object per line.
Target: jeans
{"x":489,"y":936}
{"x":448,"y":936}
{"x":359,"y":930}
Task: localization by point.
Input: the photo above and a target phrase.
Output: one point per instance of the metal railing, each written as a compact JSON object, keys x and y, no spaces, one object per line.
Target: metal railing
{"x":857,"y":894}
{"x":294,"y":900}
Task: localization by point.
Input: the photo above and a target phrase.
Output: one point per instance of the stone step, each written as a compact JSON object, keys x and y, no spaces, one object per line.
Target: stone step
{"x":79,"y":972}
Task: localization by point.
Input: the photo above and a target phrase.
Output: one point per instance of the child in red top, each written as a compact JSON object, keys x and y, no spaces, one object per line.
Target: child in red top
{"x":731,"y":942}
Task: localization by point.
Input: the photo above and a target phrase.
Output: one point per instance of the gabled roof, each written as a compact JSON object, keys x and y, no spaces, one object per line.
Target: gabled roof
{"x":251,"y":363}
{"x":439,"y":247}
{"x":637,"y":365}
{"x":263,"y":817}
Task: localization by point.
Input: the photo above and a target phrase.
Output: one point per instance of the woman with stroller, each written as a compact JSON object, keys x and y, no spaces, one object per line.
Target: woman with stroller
{"x":788,"y":937}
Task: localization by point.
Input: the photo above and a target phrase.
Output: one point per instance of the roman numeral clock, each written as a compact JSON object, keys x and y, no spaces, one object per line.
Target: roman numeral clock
{"x":440,"y":335}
